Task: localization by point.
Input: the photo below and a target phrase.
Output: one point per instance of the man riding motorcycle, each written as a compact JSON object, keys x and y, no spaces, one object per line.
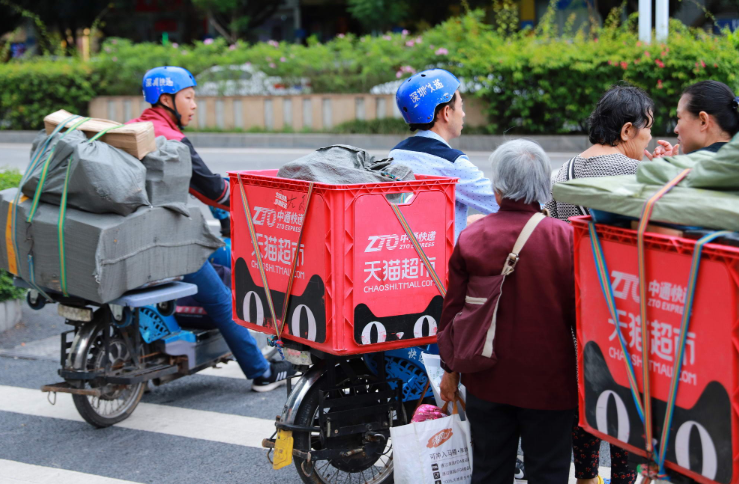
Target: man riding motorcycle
{"x":430,"y":102}
{"x":170,"y":91}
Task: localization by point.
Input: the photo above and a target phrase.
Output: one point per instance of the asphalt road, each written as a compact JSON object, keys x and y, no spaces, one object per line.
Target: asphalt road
{"x":201,"y":429}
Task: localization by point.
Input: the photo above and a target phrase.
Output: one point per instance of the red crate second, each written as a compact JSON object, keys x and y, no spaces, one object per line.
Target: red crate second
{"x":703,"y":442}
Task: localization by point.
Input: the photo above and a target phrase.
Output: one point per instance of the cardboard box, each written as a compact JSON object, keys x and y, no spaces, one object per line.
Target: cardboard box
{"x":136,"y":139}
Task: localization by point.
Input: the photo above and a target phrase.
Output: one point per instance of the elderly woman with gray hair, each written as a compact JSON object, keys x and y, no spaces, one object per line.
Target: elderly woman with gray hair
{"x":530,"y":392}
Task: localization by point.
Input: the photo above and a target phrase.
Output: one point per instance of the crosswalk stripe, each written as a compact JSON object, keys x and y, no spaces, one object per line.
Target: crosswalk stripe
{"x":230,"y":370}
{"x":163,"y":419}
{"x":20,"y":473}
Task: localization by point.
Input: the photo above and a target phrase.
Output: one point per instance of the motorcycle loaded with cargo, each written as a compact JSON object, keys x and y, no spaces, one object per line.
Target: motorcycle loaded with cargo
{"x":347,"y":278}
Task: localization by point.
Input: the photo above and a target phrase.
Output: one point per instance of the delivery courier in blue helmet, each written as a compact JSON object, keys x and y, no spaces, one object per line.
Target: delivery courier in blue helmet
{"x":171,"y":92}
{"x":431,"y":104}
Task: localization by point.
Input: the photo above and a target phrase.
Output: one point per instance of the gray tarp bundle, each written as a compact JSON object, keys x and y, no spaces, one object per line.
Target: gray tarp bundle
{"x":107,"y":254}
{"x":168,"y":172}
{"x":708,"y":197}
{"x":344,"y":165}
{"x":102,"y":179}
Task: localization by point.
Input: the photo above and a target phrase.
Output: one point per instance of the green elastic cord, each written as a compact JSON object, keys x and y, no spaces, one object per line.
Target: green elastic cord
{"x":103,"y":132}
{"x":60,"y":228}
{"x":44,"y":172}
{"x":63,"y":214}
{"x":24,"y":179}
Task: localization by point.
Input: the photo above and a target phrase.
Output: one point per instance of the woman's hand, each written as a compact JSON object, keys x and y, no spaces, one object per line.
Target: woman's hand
{"x":664,"y":148}
{"x":449,"y":387}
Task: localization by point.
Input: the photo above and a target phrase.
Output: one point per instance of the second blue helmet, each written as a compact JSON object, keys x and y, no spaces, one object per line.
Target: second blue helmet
{"x":418,"y":96}
{"x":165,"y":80}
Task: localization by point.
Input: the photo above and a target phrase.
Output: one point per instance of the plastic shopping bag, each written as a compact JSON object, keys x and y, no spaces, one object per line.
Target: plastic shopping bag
{"x":435,"y":372}
{"x":433,"y":452}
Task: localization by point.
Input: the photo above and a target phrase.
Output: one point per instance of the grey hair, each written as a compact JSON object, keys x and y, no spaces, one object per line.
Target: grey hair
{"x":521,"y":170}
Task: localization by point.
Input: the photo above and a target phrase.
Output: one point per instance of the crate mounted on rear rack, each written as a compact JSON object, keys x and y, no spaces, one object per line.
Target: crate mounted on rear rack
{"x":704,"y":438}
{"x":360,"y":286}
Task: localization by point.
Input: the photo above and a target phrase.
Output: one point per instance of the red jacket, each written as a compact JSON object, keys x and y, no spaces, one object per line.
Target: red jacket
{"x":536,"y":316}
{"x":207,"y":186}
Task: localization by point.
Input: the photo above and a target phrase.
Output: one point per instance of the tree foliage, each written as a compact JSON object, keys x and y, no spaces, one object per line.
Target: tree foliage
{"x":234,"y":18}
{"x":378,"y":15}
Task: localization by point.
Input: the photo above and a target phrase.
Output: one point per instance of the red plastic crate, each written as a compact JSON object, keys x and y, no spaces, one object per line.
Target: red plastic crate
{"x":703,"y":441}
{"x":360,"y":284}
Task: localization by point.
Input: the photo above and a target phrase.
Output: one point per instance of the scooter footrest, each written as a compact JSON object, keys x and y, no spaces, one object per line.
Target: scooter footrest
{"x":64,"y":387}
{"x":138,"y":376}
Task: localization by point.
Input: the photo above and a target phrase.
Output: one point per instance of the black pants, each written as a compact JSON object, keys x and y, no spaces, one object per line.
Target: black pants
{"x":546,"y":439}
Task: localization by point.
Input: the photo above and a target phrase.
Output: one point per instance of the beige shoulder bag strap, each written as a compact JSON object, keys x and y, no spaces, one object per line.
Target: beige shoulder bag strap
{"x":510,"y":264}
{"x":523,"y":237}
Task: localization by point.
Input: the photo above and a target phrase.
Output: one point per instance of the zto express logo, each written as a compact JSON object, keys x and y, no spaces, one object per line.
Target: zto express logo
{"x":439,"y":438}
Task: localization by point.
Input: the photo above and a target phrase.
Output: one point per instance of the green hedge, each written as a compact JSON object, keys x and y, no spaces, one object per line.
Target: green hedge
{"x":551,"y":84}
{"x":541,"y":81}
{"x":31,"y":90}
{"x":9,"y":179}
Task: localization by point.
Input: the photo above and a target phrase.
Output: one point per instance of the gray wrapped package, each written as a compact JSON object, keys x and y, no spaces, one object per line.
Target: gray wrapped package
{"x":102,"y":179}
{"x":106,"y":254}
{"x":168,"y":172}
{"x":62,"y":145}
{"x":344,"y":165}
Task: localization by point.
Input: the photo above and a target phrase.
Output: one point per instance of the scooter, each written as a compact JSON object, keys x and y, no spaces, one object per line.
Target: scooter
{"x":116,"y":349}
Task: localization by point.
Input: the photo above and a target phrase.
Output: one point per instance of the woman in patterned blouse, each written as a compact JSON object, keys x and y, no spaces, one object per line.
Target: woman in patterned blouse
{"x":620,"y":130}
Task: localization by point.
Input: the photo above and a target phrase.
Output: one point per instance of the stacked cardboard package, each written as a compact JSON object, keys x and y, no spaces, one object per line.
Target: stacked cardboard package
{"x":136,"y":139}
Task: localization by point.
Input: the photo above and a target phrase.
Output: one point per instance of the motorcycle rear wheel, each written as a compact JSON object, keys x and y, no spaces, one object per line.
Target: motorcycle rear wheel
{"x":335,"y":472}
{"x":116,"y":402}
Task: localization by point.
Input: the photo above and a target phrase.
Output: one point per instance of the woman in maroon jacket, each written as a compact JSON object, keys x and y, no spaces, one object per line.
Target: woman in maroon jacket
{"x":531,"y":392}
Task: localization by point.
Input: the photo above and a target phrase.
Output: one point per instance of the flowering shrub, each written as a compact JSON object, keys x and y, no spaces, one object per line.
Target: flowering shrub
{"x":541,"y":81}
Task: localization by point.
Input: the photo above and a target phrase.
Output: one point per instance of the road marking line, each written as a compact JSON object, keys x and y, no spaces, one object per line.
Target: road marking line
{"x":162,"y":419}
{"x":20,"y":473}
{"x":230,"y":370}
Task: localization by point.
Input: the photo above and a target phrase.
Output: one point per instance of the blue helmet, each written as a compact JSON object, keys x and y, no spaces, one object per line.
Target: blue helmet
{"x":419,"y":95}
{"x":165,"y":80}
